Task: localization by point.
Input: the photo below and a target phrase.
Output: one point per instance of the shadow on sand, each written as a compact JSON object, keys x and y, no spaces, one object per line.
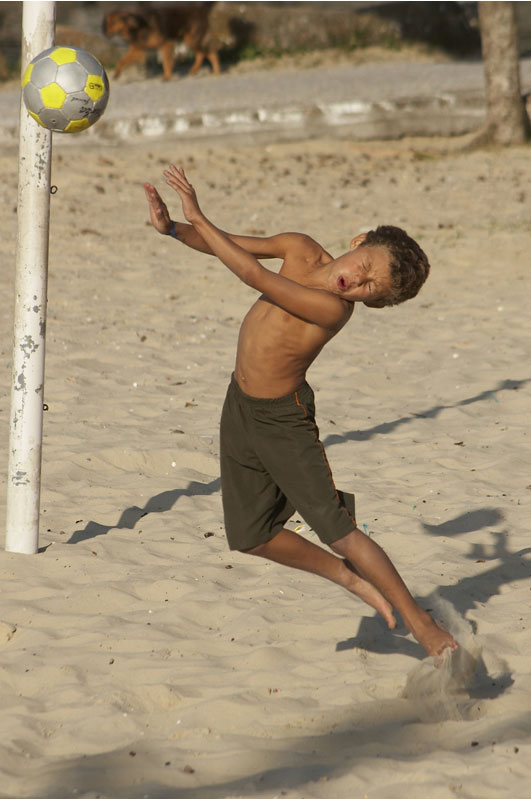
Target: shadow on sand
{"x":377,"y":731}
{"x":160,"y":503}
{"x":430,"y":413}
{"x":508,"y":567}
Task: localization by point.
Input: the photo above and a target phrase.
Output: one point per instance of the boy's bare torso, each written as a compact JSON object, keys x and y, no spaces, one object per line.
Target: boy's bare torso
{"x":275,"y":347}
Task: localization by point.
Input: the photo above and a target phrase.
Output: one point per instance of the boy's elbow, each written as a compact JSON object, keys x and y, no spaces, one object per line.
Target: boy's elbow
{"x":251,"y":274}
{"x":251,"y":281}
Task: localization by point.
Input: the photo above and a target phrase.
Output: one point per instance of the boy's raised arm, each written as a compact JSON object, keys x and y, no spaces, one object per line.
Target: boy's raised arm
{"x":313,"y":305}
{"x":270,"y":247}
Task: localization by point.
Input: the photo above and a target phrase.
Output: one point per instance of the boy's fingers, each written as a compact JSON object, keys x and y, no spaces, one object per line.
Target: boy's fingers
{"x":178,"y":172}
{"x":175,"y":178}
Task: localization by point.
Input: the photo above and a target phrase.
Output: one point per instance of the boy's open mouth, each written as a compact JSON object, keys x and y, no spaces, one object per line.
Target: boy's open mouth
{"x":341,"y":283}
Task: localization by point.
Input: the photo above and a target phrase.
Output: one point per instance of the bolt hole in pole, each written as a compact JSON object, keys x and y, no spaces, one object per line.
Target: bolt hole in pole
{"x":27,"y":388}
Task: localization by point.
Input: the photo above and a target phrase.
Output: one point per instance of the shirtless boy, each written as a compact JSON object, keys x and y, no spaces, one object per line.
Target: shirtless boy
{"x":272,"y":462}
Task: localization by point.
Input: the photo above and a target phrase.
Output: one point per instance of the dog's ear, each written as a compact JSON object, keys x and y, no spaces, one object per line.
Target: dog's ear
{"x":134,"y":22}
{"x":108,"y":19}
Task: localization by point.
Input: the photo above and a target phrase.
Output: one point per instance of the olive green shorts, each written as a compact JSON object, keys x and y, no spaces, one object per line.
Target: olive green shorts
{"x":273,"y":464}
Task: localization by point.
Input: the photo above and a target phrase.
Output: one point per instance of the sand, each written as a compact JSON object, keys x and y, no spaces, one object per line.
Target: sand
{"x":139,"y":658}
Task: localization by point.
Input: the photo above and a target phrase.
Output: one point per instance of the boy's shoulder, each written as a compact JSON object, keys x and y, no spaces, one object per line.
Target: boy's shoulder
{"x":300,"y":245}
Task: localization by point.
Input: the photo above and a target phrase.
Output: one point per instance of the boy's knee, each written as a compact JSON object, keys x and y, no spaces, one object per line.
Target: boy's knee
{"x":342,"y":545}
{"x":259,"y":550}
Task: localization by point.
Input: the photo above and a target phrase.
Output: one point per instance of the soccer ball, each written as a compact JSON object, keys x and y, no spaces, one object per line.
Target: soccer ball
{"x":65,"y":89}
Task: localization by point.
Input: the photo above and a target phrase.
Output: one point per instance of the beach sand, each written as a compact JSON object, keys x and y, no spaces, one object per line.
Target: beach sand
{"x":139,"y":658}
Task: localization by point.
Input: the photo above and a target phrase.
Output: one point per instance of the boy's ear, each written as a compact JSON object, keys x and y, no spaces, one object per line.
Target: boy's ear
{"x":357,"y":240}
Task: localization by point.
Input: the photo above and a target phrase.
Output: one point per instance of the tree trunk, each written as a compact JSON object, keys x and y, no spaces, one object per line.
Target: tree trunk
{"x":507,"y":121}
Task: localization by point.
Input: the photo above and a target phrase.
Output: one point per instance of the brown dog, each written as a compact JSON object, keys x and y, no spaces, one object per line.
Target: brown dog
{"x":158,"y":29}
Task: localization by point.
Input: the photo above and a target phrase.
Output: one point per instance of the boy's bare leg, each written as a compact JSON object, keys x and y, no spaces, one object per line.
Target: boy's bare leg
{"x":291,"y":549}
{"x":370,"y":575}
{"x":370,"y":561}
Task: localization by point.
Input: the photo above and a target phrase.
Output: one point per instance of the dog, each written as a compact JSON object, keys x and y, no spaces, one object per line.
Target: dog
{"x":159,"y":29}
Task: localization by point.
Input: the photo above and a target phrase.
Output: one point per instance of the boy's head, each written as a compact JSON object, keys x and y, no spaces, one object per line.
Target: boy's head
{"x":409,"y":265}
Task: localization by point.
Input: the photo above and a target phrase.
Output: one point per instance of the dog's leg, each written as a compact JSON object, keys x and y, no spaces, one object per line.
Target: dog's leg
{"x":214,"y":60}
{"x":166,"y":55}
{"x":199,"y":58}
{"x":134,"y":55}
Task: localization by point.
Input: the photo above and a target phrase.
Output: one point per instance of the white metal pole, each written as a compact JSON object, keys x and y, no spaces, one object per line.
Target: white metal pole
{"x":27,"y":389}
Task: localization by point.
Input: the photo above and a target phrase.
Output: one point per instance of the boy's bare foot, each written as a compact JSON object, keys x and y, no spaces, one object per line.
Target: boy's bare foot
{"x":370,"y":595}
{"x":433,"y":637}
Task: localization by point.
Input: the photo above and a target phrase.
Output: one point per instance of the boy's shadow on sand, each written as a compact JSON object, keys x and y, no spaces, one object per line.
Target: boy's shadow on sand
{"x":430,"y":413}
{"x":160,"y":503}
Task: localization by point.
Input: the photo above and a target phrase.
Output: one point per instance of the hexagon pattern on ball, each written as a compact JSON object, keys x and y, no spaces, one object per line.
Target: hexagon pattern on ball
{"x":65,"y":89}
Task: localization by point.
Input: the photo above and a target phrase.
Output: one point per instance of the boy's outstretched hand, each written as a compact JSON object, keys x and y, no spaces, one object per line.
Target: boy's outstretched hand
{"x":160,"y":218}
{"x":177,"y":180}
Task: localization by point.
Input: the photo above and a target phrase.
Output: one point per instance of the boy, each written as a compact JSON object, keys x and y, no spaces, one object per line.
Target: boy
{"x":272,"y":462}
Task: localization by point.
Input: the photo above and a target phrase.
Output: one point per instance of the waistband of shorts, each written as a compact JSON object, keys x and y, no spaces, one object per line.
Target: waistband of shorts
{"x":269,"y":401}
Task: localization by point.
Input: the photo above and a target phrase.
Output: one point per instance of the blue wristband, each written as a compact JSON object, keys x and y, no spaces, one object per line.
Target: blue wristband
{"x":173,"y":232}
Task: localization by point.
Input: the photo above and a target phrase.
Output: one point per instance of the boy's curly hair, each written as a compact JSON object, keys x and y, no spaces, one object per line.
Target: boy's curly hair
{"x":409,"y":264}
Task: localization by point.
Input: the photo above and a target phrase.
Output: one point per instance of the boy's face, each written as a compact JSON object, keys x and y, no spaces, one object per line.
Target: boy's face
{"x":362,"y":275}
